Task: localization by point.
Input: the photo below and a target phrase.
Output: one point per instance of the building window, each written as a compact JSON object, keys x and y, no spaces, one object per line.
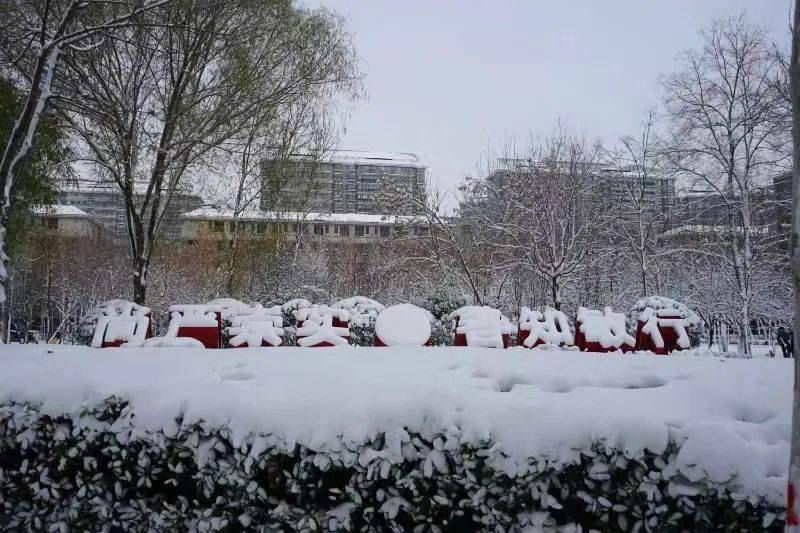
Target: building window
{"x":217,"y":225}
{"x":52,"y":223}
{"x":384,"y":231}
{"x":359,"y":231}
{"x":319,"y":229}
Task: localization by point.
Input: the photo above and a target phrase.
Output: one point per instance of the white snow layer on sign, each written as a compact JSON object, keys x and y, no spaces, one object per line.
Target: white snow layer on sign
{"x":403,"y":325}
{"x":730,"y":418}
{"x":666,"y":307}
{"x":315,"y":332}
{"x":316,"y":313}
{"x":606,"y":328}
{"x":123,"y":328}
{"x":652,"y":320}
{"x":482,"y":326}
{"x":551,"y":327}
{"x":191,"y":316}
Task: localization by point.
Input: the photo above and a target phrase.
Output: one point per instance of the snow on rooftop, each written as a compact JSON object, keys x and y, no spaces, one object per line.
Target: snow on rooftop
{"x":59,"y":211}
{"x":109,"y":187}
{"x":729,"y":418}
{"x":363,"y":157}
{"x":214,"y":213}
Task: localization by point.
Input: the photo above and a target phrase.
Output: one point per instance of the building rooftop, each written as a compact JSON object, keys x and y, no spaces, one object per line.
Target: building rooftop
{"x":214,"y":213}
{"x":361,"y":157}
{"x":63,"y":211}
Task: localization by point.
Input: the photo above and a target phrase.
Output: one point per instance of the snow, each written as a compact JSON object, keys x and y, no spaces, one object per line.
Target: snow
{"x":119,"y":308}
{"x":551,"y":327}
{"x":317,"y":312}
{"x":122,"y":328}
{"x":191,"y":316}
{"x":666,"y":307}
{"x":260,"y":325}
{"x":253,"y":333}
{"x":319,"y":329}
{"x":403,"y":325}
{"x":362,"y":310}
{"x":255,"y":215}
{"x":482,"y":325}
{"x":166,"y":342}
{"x":606,"y":328}
{"x":365,"y":157}
{"x":59,"y":211}
{"x":729,"y":417}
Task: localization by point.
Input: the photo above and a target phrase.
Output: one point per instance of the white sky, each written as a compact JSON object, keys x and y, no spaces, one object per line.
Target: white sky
{"x":448,"y":79}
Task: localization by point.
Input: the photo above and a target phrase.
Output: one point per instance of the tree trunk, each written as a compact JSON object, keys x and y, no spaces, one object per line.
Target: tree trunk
{"x":556,"y":293}
{"x":793,"y":494}
{"x":140,"y":265}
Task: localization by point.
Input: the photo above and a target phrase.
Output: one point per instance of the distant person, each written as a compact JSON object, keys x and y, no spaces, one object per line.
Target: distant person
{"x":786,"y":341}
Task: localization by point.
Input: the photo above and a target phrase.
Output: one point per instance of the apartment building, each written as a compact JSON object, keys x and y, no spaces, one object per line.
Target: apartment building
{"x":345,"y":181}
{"x":619,"y":185}
{"x":104,"y":203}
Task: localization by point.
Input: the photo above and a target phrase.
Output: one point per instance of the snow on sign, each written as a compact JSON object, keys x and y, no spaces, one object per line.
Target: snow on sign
{"x":481,"y":326}
{"x":113,"y":331}
{"x":201,"y":322}
{"x":403,"y":325}
{"x":261,"y":327}
{"x":550,"y":327}
{"x":601,"y":331}
{"x":319,"y":331}
{"x":315,"y":313}
{"x":661,"y":332}
{"x":662,"y":323}
{"x":119,"y":321}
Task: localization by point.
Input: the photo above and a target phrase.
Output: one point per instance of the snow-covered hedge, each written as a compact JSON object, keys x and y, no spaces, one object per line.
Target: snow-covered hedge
{"x":96,"y":471}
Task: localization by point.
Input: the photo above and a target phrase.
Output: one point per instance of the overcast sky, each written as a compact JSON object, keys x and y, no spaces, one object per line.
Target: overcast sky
{"x":447,"y":79}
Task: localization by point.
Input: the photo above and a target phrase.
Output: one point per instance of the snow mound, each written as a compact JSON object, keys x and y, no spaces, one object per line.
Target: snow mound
{"x":729,"y":419}
{"x":403,"y":325}
{"x":166,"y":342}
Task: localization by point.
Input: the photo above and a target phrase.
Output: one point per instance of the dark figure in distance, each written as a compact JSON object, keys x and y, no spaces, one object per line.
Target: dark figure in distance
{"x":786,"y":341}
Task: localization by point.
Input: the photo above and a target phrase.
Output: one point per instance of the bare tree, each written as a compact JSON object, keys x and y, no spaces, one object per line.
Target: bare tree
{"x":730,"y":135}
{"x":641,"y":178}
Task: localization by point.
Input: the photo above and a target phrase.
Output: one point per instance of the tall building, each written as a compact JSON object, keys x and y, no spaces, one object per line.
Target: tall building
{"x":657,"y":191}
{"x":104,"y":203}
{"x":345,"y":181}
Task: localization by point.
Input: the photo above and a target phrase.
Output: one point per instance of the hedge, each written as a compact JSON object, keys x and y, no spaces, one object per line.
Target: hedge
{"x":95,"y":471}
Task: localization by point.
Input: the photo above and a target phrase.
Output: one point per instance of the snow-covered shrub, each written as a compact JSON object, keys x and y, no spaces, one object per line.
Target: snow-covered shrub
{"x":96,"y":471}
{"x":669,"y":306}
{"x":363,"y":313}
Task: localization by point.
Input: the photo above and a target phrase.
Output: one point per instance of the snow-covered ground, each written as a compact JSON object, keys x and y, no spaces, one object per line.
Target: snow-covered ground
{"x":728,"y":416}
